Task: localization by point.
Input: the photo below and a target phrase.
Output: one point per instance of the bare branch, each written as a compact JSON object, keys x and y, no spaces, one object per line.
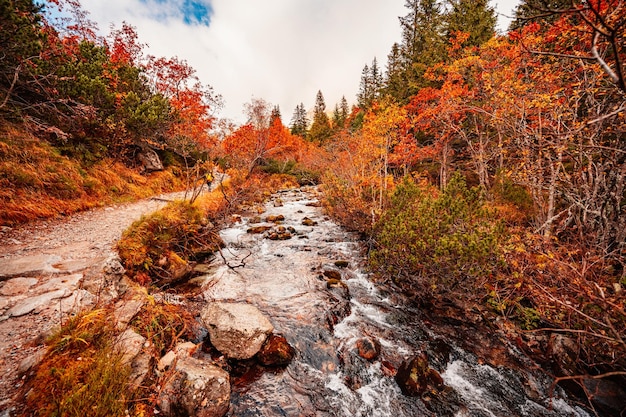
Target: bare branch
{"x":15,"y":77}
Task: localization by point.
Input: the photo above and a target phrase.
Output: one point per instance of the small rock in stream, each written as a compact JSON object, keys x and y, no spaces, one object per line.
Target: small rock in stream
{"x":368,"y":348}
{"x":276,"y":351}
{"x":258,"y":229}
{"x":308,"y":222}
{"x":415,"y":377}
{"x":342,"y":264}
{"x":332,"y":274}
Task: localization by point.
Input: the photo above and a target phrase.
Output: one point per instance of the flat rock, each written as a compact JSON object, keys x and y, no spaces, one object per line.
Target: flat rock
{"x":130,"y":344}
{"x":17,"y":286}
{"x":59,"y":282}
{"x":237,"y":330}
{"x":28,"y":265}
{"x":37,"y":302}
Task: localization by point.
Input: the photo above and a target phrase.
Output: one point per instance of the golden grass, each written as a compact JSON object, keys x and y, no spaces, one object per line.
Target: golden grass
{"x":36,"y":181}
{"x":81,"y":374}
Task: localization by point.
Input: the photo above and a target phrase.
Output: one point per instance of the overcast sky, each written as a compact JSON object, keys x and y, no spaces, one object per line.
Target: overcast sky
{"x":282,"y":51}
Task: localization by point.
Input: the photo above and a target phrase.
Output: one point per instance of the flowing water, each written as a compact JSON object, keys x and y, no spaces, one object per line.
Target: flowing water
{"x":285,"y":279}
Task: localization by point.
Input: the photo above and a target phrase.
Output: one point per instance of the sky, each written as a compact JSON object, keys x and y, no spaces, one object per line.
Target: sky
{"x":282,"y":51}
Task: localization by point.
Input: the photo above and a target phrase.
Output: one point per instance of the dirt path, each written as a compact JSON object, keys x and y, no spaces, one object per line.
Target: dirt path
{"x":49,"y":268}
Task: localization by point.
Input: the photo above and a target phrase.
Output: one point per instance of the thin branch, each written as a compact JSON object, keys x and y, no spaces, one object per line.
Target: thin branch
{"x":15,"y":77}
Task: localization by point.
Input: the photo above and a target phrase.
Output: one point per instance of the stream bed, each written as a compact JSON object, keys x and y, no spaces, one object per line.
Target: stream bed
{"x":312,"y":287}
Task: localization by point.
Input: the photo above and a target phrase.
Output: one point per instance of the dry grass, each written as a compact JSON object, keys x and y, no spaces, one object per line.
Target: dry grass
{"x":36,"y":181}
{"x":81,"y":374}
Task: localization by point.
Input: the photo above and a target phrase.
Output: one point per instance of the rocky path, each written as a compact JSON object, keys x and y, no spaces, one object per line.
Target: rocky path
{"x":50,"y":268}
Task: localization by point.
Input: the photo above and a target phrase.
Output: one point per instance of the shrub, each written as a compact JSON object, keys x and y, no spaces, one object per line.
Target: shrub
{"x":437,"y":241}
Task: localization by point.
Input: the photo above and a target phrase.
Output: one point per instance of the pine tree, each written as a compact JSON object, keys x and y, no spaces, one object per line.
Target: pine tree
{"x":320,"y":130}
{"x":394,"y":83}
{"x":370,"y":86}
{"x":536,"y":10}
{"x":344,"y":109}
{"x":299,"y":121}
{"x":475,"y":17}
{"x":275,"y":114}
{"x":363,"y":96}
{"x":423,"y":44}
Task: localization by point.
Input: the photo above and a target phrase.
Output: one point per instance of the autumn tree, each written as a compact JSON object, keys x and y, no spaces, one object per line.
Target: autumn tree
{"x":320,"y":130}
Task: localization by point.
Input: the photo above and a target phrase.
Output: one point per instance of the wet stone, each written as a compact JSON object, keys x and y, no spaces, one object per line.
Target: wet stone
{"x":275,"y":218}
{"x":415,"y":377}
{"x":368,"y":348}
{"x":308,"y":222}
{"x":258,"y":229}
{"x":332,"y":274}
{"x":276,"y":351}
{"x":342,"y":264}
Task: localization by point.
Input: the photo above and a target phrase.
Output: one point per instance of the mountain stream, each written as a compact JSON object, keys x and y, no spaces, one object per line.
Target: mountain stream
{"x":324,"y":319}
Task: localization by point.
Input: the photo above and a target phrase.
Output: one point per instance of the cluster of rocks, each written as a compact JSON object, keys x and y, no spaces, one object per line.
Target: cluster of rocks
{"x":193,"y":383}
{"x":273,"y":228}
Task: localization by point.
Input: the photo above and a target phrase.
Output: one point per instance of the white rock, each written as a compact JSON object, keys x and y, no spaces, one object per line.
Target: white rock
{"x":237,"y":330}
{"x":17,"y":286}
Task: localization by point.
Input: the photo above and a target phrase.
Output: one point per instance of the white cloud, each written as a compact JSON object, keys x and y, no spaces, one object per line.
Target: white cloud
{"x":283,"y":51}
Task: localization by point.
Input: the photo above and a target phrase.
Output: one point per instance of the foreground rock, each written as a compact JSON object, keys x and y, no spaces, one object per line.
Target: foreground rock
{"x":196,"y":389}
{"x":237,"y":330}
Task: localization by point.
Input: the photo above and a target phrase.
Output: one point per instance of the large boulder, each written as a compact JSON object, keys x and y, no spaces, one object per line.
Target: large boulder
{"x":196,"y":389}
{"x":237,"y":330}
{"x":150,"y":160}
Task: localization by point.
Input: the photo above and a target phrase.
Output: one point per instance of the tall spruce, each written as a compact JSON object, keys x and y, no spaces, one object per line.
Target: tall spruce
{"x":474,"y":17}
{"x":320,"y":130}
{"x":299,"y":121}
{"x":370,"y":86}
{"x":340,"y":114}
{"x":423,"y":45}
{"x":394,"y":80}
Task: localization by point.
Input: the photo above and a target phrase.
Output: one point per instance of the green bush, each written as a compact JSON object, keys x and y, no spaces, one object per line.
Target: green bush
{"x":437,"y":241}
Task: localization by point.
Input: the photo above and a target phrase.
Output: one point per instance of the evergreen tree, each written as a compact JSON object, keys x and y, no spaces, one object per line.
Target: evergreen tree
{"x":370,"y":86}
{"x":320,"y":130}
{"x":340,"y":114}
{"x":344,"y":110}
{"x":20,"y":44}
{"x":299,"y":121}
{"x":394,"y":83}
{"x":475,"y":17}
{"x":538,"y":10}
{"x":423,"y":44}
{"x":363,"y":96}
{"x":337,"y":123}
{"x":275,"y":114}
